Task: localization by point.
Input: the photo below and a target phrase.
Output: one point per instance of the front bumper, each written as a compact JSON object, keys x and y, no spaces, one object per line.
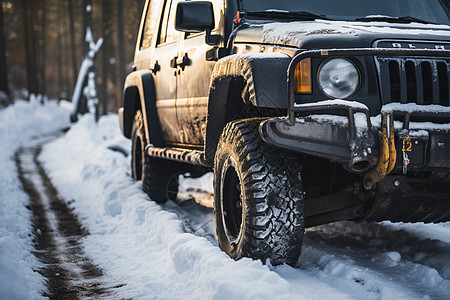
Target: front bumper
{"x":339,"y":139}
{"x":356,"y":140}
{"x":415,"y":192}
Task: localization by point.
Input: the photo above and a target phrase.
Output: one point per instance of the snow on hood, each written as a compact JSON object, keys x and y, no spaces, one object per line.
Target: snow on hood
{"x":297,"y":33}
{"x":293,"y":32}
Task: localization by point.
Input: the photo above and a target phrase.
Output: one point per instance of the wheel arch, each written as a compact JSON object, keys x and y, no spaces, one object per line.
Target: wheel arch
{"x":257,"y":79}
{"x":140,"y":93}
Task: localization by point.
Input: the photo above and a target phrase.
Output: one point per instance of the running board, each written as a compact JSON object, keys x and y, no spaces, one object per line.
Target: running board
{"x":192,"y":157}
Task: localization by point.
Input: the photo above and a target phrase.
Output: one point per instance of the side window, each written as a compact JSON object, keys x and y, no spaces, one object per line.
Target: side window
{"x":168,"y":32}
{"x":150,"y":25}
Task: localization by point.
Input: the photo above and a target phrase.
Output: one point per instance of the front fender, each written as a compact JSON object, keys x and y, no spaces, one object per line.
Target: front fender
{"x":264,"y":73}
{"x":139,"y":93}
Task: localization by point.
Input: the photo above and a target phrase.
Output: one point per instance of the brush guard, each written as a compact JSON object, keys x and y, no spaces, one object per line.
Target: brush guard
{"x":369,"y":151}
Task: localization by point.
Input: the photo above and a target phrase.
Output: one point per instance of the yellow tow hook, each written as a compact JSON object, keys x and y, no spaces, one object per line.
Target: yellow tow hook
{"x":388,"y":153}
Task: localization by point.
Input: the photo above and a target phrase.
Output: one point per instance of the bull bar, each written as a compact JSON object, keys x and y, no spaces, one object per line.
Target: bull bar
{"x":276,"y":131}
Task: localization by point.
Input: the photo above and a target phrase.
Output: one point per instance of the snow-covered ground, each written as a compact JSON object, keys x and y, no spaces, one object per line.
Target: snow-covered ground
{"x":18,"y":124}
{"x":151,"y":251}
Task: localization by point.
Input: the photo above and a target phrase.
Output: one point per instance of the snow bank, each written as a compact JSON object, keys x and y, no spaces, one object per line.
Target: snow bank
{"x":18,"y":124}
{"x":147,"y":252}
{"x":140,"y":245}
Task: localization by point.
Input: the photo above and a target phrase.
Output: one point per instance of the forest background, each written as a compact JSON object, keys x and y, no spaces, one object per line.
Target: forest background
{"x":42,"y":45}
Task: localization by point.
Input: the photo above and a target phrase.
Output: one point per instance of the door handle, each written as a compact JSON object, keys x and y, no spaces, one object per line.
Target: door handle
{"x":182,"y":61}
{"x":173,"y":62}
{"x":154,"y":67}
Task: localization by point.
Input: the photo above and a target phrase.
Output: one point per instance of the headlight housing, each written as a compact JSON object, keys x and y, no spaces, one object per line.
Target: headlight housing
{"x":338,"y":78}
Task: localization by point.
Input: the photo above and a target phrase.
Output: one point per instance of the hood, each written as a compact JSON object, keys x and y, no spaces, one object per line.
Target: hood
{"x":323,"y":34}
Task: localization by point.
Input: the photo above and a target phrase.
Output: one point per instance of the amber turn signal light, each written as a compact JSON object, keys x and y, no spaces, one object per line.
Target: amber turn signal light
{"x":302,"y":77}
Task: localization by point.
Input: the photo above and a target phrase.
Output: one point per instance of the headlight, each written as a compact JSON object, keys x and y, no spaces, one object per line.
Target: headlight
{"x":338,"y":78}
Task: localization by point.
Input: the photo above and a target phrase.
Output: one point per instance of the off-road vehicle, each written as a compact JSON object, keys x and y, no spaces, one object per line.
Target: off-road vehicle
{"x":307,"y":112}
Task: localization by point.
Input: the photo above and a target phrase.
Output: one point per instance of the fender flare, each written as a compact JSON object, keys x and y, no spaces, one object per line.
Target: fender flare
{"x":264,"y":76}
{"x":140,"y":93}
{"x":264,"y":73}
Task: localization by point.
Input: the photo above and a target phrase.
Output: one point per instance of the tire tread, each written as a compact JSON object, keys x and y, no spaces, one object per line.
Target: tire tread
{"x":274,"y":195}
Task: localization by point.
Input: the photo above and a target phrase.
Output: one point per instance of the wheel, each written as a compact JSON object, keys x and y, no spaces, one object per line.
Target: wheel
{"x":258,"y":197}
{"x":159,"y":176}
{"x":138,"y":142}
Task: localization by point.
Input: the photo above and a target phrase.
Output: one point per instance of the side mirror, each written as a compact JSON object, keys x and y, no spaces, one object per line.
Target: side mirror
{"x":194,"y":16}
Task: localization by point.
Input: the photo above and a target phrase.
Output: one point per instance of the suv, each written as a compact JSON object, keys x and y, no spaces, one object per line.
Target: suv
{"x":307,"y":112}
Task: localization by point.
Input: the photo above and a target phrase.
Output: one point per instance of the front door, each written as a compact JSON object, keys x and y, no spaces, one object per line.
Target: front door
{"x":165,"y":74}
{"x":193,"y":82}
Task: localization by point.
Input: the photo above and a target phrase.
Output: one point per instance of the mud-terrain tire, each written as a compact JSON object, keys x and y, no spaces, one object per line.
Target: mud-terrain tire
{"x":159,"y":176}
{"x":258,"y":197}
{"x":138,"y":142}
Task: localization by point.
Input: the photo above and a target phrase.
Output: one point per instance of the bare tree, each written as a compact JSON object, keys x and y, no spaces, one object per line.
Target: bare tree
{"x":72,"y":39}
{"x":121,"y":45}
{"x":4,"y":86}
{"x":105,"y":56}
{"x":28,"y":50}
{"x":42,"y":43}
{"x":59,"y":47}
{"x":87,"y":22}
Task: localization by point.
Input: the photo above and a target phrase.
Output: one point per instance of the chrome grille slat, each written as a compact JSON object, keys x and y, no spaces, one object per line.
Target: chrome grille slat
{"x":435,"y":82}
{"x":419,"y":83}
{"x":403,"y":84}
{"x":383,"y":68}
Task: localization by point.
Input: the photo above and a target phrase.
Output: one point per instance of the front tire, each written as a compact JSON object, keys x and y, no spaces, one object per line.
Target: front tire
{"x":159,"y":176}
{"x":258,"y":197}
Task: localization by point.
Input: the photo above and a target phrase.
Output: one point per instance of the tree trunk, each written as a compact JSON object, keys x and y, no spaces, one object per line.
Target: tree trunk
{"x":105,"y":57}
{"x":120,"y":38}
{"x":4,"y":87}
{"x":83,"y":36}
{"x":59,"y":47}
{"x":28,"y":50}
{"x":68,"y":70}
{"x":43,"y":87}
{"x":34,"y":50}
{"x":72,"y":41}
{"x":87,"y":22}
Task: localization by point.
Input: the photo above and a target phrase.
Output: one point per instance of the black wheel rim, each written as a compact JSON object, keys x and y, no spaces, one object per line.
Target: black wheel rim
{"x":231,"y":205}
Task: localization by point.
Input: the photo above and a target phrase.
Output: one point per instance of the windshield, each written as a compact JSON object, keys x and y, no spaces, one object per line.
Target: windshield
{"x":349,"y":10}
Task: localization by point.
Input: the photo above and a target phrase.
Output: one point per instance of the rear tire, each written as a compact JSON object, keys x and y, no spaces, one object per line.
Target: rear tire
{"x":160,"y":180}
{"x":138,"y":142}
{"x":159,"y":176}
{"x":258,"y":197}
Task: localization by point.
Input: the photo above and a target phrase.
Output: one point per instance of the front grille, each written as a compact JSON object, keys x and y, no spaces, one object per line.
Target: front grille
{"x":414,"y":80}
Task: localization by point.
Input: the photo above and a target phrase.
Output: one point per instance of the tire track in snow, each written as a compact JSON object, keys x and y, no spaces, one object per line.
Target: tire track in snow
{"x":57,"y":233}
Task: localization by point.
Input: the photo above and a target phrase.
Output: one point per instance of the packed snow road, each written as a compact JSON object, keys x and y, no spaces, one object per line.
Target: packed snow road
{"x":149,"y":251}
{"x":57,"y":232}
